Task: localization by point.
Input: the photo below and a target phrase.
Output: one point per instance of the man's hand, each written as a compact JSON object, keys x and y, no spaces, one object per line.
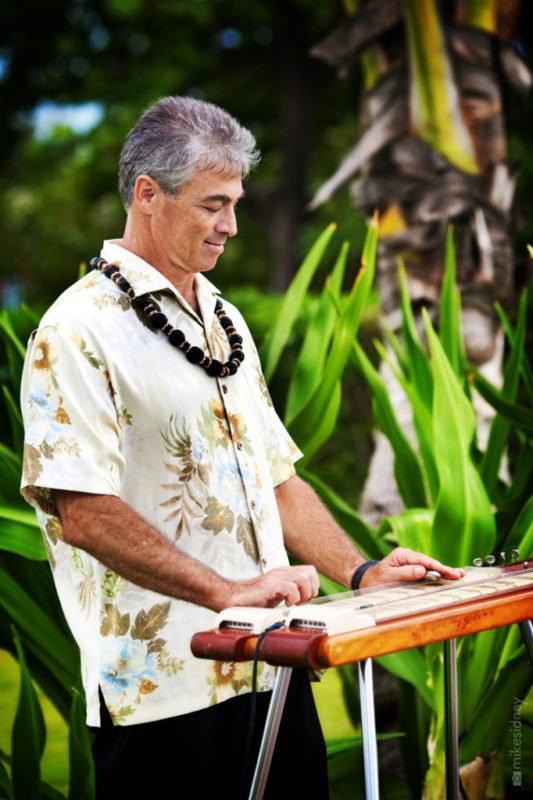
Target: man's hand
{"x":403,"y":564}
{"x":292,"y":585}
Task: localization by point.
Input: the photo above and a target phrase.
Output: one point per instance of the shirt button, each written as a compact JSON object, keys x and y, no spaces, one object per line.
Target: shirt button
{"x":239,"y":445}
{"x":264,"y":562}
{"x":253,"y":503}
{"x":224,"y":388}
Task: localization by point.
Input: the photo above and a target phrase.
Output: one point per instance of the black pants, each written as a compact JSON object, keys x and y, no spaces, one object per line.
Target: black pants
{"x":200,"y":755}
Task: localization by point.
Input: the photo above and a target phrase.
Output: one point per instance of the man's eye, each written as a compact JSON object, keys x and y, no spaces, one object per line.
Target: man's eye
{"x":211,"y":209}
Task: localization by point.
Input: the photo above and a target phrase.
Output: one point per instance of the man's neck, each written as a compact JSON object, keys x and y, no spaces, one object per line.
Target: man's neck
{"x":183,"y":282}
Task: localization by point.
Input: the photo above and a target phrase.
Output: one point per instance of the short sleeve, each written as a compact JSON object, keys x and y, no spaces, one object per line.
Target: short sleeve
{"x":72,"y":434}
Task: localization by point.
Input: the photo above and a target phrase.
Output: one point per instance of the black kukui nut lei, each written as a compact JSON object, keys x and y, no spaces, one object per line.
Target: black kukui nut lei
{"x":159,"y":321}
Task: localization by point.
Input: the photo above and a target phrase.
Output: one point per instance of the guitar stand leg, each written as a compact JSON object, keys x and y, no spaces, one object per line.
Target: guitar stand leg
{"x":368,"y":729}
{"x":270,"y":733}
{"x":451,"y":723}
{"x":526,"y":628}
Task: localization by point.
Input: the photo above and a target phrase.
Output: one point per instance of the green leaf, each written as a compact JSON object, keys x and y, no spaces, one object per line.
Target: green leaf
{"x":521,"y":533}
{"x":25,"y":516}
{"x":81,"y":783}
{"x":416,"y":356}
{"x":464,"y":522}
{"x":450,"y":311}
{"x":410,"y":666}
{"x":521,"y":417}
{"x":501,"y":425}
{"x":7,"y":329}
{"x":312,"y":425}
{"x":292,"y":303}
{"x":39,"y":633}
{"x":15,"y":419}
{"x":27,"y":737}
{"x":407,"y":469}
{"x":310,"y":363}
{"x":411,"y":528}
{"x":23,"y":540}
{"x":6,"y":786}
{"x":526,"y":368}
{"x":348,"y":519}
{"x":486,"y":732}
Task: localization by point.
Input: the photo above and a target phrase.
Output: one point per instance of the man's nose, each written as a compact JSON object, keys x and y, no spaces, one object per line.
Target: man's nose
{"x":227,"y":222}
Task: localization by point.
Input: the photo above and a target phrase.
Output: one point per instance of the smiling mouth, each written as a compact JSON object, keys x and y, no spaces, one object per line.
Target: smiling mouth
{"x":217,"y":247}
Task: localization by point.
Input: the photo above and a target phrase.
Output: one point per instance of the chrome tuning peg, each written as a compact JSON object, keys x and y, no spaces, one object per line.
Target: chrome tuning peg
{"x":514,"y":553}
{"x":503,"y":556}
{"x":489,"y":560}
{"x":478,"y":562}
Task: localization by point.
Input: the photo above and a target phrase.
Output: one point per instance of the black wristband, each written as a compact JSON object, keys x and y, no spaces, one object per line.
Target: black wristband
{"x":359,"y":572}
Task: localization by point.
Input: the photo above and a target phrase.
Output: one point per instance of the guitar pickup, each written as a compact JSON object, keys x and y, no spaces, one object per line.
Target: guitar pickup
{"x":329,"y":618}
{"x":248,"y":618}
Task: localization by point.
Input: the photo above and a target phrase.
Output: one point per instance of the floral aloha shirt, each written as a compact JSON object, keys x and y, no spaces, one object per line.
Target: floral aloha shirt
{"x":110,"y":407}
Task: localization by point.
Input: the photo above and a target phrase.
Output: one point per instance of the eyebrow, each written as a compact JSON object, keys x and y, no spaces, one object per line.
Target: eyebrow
{"x":222,"y":198}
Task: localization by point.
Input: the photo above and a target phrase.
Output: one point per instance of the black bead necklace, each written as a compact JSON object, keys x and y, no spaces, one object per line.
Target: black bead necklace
{"x":159,"y":321}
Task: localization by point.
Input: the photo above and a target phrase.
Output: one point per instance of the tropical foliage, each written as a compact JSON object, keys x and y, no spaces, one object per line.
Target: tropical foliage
{"x":451,"y":487}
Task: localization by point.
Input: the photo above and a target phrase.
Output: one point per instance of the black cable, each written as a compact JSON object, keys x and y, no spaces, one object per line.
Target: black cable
{"x":253,"y":703}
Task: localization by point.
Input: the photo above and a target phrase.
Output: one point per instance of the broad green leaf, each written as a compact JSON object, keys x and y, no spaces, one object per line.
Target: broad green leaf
{"x":422,"y":422}
{"x":23,"y":540}
{"x":521,"y":534}
{"x":411,"y":528}
{"x":410,"y":666}
{"x":311,"y":439}
{"x":416,"y":357}
{"x":520,"y":416}
{"x":487,"y":732}
{"x":450,"y":311}
{"x":6,"y":327}
{"x":310,"y":419}
{"x":407,"y":469}
{"x":25,"y":516}
{"x":27,"y":737}
{"x":40,"y":634}
{"x":348,"y":519}
{"x":477,"y":668}
{"x":6,"y":786}
{"x":464,"y":522}
{"x":292,"y":303}
{"x":15,"y":419}
{"x":435,"y":112}
{"x":500,"y":426}
{"x":310,"y":363}
{"x":81,"y":772}
{"x":526,"y":367}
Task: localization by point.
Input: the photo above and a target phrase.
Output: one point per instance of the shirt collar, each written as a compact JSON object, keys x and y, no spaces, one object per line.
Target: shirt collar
{"x":145,"y":279}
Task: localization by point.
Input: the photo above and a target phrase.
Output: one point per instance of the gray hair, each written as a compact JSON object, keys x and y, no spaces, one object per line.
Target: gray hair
{"x":177,"y":135}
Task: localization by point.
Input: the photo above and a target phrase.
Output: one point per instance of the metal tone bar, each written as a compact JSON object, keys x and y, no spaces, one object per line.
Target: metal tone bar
{"x":368,"y":729}
{"x":270,"y":733}
{"x":451,"y":723}
{"x":526,"y":629}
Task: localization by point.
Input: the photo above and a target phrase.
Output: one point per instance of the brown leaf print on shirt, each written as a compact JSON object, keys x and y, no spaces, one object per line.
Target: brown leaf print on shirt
{"x":189,"y":490}
{"x":148,"y":623}
{"x":114,"y":623}
{"x":218,"y":516}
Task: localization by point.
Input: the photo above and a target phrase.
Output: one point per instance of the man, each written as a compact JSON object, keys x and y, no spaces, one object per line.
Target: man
{"x":164,"y":481}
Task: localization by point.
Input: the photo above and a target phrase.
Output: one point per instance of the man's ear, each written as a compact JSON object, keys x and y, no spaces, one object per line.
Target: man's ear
{"x":144,"y":192}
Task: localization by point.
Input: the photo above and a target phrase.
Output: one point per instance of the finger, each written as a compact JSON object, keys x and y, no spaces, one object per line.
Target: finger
{"x":403,"y":556}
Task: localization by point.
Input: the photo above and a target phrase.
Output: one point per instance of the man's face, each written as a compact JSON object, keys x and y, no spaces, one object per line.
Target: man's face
{"x":190,"y":229}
